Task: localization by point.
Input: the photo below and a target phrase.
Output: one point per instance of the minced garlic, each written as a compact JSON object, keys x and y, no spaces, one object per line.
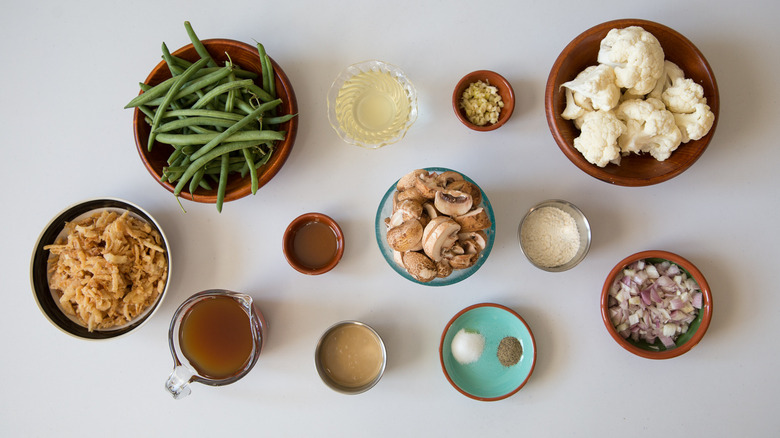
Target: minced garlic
{"x":482,"y":103}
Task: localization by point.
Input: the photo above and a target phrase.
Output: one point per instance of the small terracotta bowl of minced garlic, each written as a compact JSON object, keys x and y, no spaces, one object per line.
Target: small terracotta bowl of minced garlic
{"x":483,"y":100}
{"x":554,"y":235}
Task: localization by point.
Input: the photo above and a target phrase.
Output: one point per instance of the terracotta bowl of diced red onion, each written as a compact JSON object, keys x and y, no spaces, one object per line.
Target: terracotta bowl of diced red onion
{"x":656,"y":304}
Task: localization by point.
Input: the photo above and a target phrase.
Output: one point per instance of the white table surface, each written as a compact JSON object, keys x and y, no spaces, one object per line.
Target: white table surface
{"x":69,"y":68}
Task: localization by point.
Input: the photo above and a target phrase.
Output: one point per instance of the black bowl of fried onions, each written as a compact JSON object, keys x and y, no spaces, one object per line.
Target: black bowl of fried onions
{"x":100,"y":268}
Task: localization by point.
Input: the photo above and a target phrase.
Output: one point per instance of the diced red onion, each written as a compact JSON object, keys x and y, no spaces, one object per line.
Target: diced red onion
{"x":646,"y":298}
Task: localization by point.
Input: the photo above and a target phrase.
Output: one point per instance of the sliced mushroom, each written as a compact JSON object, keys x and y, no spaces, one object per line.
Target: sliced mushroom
{"x":408,"y":181}
{"x":395,"y":219}
{"x":398,"y":258}
{"x":410,"y":209}
{"x":468,"y":258}
{"x":440,"y":234}
{"x":409,"y":194}
{"x":452,"y":202}
{"x":463,"y":261}
{"x":427,"y":185}
{"x":479,"y":237}
{"x":430,"y":210}
{"x":419,"y":266}
{"x":405,"y":237}
{"x":443,"y":268}
{"x":474,"y":220}
{"x":464,"y":186}
{"x":448,"y":177}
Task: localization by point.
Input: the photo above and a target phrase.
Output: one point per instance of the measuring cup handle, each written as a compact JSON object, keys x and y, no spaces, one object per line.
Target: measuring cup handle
{"x":178,"y":383}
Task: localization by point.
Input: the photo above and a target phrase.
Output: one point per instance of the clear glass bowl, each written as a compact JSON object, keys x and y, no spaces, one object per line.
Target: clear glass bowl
{"x":372,"y":88}
{"x":386,"y":209}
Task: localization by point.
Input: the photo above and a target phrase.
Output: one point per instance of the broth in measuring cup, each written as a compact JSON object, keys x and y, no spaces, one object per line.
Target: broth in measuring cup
{"x":216,"y":337}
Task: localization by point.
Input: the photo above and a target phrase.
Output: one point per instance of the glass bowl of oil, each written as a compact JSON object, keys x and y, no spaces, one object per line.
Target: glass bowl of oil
{"x":372,"y":104}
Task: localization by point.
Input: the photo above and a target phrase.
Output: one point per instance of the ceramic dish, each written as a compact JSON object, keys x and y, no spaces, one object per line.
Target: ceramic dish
{"x":684,"y":342}
{"x":504,"y":90}
{"x":288,"y":244}
{"x":47,"y":299}
{"x":246,"y":57}
{"x":634,"y":170}
{"x":385,"y":210}
{"x":487,"y":379}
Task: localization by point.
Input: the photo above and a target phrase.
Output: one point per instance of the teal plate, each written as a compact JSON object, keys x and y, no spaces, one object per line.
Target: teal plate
{"x":487,"y":379}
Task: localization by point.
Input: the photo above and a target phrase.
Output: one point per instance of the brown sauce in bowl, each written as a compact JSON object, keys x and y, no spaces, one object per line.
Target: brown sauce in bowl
{"x":315,"y":245}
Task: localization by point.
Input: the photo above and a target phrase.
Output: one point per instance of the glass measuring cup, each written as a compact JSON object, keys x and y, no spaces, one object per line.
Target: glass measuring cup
{"x":192,"y":319}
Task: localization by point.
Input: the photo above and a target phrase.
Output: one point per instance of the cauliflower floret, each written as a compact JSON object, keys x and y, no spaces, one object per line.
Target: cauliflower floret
{"x":598,"y":137}
{"x":596,"y":85}
{"x":573,"y":110}
{"x":695,"y":125}
{"x":637,"y":57}
{"x":671,"y":74}
{"x":683,"y":96}
{"x":649,"y":128}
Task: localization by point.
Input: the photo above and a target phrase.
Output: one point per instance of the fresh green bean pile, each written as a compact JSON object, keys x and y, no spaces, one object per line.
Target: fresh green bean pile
{"x":216,"y":118}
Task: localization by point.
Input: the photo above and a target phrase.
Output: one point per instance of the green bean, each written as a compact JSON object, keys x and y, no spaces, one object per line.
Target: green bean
{"x":196,"y":179}
{"x":261,"y":94}
{"x":181,"y":79}
{"x":272,"y":78}
{"x":238,"y":125}
{"x":230,"y":100}
{"x":204,"y":113}
{"x":189,"y":122}
{"x":175,"y":156}
{"x":214,"y":153}
{"x":220,"y":89}
{"x":252,"y":170}
{"x":195,"y":86}
{"x":172,"y":66}
{"x":159,"y":90}
{"x":198,"y":45}
{"x":203,"y":139}
{"x":267,"y":78}
{"x":278,"y":120}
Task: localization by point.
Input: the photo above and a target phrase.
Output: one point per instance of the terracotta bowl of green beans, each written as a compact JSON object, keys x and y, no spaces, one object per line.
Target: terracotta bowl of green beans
{"x":195,"y":152}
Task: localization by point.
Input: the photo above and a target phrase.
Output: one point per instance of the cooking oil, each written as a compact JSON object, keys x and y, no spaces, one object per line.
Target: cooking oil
{"x":372,"y":107}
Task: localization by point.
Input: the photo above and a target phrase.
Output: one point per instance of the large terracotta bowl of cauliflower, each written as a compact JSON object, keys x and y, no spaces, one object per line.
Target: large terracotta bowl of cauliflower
{"x":632,"y":102}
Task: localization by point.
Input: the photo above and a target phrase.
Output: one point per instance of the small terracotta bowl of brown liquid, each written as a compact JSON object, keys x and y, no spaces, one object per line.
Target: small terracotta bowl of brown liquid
{"x":313,"y":243}
{"x":350,"y":357}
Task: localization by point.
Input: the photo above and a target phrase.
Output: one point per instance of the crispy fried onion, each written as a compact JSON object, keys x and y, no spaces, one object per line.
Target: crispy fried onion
{"x":108,"y":269}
